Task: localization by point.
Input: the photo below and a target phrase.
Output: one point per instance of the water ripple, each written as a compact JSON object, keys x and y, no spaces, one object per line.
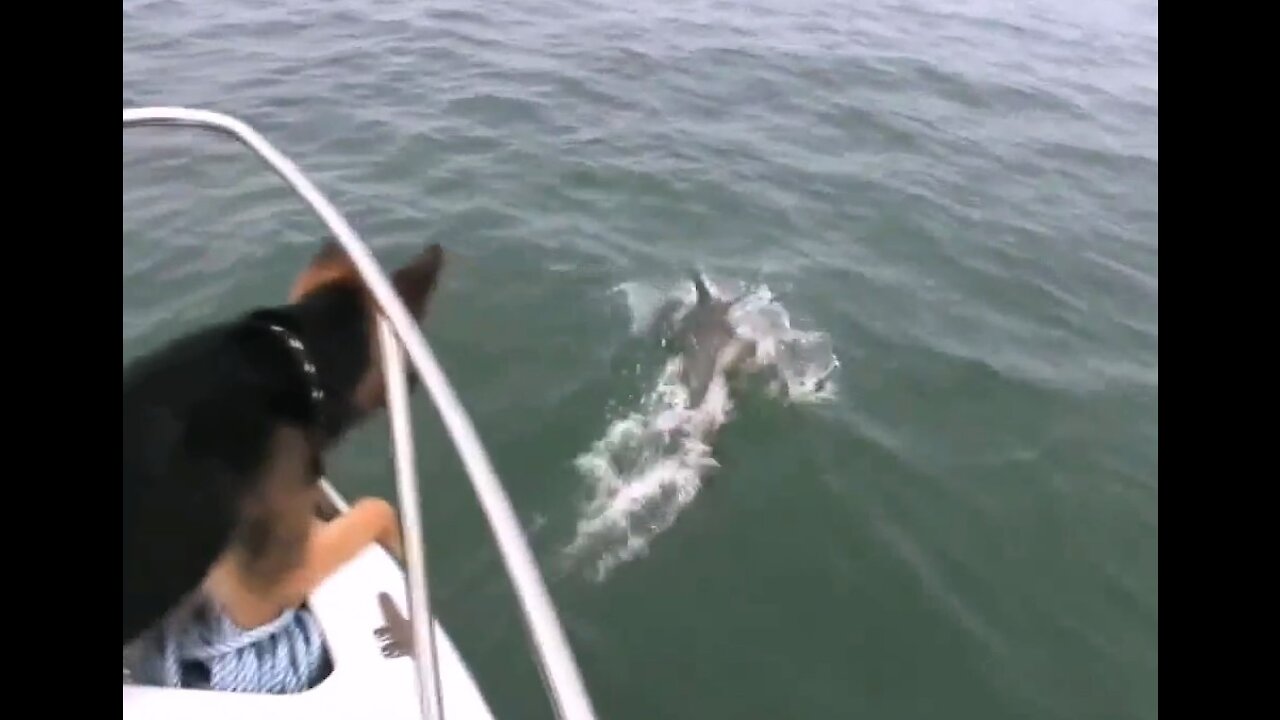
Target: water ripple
{"x":964,"y":193}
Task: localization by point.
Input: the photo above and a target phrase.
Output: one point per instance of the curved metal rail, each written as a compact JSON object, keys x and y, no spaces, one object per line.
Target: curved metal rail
{"x":559,"y":670}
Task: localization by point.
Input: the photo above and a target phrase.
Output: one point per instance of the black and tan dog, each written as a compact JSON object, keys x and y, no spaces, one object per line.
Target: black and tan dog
{"x":224,"y":434}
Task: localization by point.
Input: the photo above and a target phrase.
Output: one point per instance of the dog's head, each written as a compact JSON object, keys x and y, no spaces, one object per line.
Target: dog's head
{"x":338,"y":318}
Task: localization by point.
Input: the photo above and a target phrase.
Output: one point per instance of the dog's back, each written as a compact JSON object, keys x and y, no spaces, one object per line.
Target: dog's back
{"x":198,"y":418}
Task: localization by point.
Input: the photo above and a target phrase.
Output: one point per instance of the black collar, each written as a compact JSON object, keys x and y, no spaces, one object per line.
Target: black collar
{"x":299,"y":352}
{"x":304,"y":359}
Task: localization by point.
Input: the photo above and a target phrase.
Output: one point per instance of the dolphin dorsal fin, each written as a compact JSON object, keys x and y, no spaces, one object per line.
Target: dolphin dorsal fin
{"x":700,"y":286}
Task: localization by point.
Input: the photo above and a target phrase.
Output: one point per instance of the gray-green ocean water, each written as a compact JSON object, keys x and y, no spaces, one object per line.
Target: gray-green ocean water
{"x":960,"y":198}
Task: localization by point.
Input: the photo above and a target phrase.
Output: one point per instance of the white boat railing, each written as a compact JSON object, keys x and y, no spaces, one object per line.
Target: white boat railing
{"x":398,"y":332}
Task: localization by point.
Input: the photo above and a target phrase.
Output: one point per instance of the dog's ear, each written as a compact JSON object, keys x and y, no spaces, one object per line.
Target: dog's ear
{"x":330,"y":264}
{"x":416,"y":280}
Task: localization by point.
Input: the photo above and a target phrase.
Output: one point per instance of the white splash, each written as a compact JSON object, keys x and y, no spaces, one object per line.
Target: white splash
{"x":651,"y":462}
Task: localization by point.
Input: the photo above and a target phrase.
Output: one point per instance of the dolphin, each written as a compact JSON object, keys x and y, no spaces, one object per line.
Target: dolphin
{"x":706,"y":341}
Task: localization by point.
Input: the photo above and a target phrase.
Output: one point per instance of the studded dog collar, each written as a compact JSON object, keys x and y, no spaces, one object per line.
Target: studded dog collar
{"x":304,"y":361}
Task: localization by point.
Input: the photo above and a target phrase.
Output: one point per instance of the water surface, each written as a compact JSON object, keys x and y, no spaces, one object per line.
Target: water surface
{"x":962,"y":196}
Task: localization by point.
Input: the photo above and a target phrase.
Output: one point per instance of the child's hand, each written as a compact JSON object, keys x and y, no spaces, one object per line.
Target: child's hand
{"x":394,"y":543}
{"x":389,"y":536}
